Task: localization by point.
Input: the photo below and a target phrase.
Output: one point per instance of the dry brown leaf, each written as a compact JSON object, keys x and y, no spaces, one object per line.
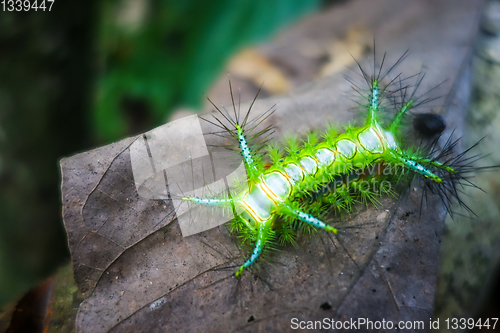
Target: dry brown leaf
{"x":252,"y":65}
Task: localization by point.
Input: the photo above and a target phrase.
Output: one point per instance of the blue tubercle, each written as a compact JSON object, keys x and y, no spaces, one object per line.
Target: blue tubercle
{"x":246,"y":153}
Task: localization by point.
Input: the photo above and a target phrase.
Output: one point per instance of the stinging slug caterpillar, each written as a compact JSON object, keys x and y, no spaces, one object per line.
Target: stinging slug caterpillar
{"x":331,"y":169}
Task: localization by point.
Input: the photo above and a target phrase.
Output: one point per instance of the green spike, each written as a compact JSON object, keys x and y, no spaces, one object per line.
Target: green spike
{"x":399,"y":116}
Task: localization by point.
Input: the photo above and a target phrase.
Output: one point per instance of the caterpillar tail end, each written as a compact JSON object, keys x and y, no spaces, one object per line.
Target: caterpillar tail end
{"x":239,"y":271}
{"x":332,"y":229}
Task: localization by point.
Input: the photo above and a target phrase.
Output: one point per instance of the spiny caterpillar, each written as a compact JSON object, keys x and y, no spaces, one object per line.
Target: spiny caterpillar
{"x":331,"y":169}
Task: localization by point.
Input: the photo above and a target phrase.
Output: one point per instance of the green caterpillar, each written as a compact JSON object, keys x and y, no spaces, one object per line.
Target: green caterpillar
{"x":329,"y":169}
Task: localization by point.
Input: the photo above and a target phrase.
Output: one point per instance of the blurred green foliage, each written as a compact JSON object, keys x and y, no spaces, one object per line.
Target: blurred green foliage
{"x":160,"y":54}
{"x":45,"y":94}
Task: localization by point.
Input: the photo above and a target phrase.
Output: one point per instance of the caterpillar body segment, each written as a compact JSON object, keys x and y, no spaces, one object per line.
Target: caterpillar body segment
{"x":329,"y":167}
